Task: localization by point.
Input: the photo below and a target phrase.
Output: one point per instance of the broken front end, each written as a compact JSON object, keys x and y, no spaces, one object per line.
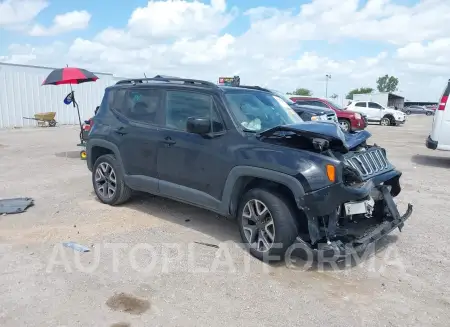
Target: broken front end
{"x":346,"y":217}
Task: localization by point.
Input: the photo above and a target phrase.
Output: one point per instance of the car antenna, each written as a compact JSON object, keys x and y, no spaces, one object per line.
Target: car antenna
{"x":145,"y":75}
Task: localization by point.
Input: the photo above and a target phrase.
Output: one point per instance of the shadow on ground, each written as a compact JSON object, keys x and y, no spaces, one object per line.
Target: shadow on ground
{"x":223,"y":229}
{"x":218,"y":227}
{"x":432,"y":161}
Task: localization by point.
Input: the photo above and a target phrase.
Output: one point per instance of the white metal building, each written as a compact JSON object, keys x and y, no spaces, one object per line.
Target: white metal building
{"x":385,"y":99}
{"x":22,"y":95}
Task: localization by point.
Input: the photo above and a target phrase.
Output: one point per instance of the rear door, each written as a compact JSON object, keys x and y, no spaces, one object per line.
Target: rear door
{"x":374,"y":111}
{"x":361,"y":107}
{"x":140,"y":116}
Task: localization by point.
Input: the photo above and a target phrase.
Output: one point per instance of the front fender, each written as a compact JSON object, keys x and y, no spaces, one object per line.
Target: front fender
{"x":230,"y":196}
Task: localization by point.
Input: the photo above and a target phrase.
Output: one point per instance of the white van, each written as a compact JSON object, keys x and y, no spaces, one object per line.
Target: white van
{"x":439,"y":139}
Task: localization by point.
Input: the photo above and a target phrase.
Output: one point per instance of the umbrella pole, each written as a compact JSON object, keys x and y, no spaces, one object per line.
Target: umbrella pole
{"x":75,"y":104}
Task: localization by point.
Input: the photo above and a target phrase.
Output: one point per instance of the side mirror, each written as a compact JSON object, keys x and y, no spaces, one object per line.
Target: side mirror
{"x":199,"y":125}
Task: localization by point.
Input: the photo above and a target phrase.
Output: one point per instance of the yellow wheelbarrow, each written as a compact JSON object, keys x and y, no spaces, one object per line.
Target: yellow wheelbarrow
{"x":44,"y":119}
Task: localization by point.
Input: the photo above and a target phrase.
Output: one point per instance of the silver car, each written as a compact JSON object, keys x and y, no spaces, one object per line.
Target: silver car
{"x":418,"y":110}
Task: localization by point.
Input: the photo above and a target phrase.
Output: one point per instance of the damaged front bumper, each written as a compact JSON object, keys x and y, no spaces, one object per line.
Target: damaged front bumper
{"x":324,"y":203}
{"x":338,"y":250}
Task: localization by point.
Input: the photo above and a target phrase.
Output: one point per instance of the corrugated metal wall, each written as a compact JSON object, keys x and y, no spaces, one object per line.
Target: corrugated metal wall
{"x":22,"y":95}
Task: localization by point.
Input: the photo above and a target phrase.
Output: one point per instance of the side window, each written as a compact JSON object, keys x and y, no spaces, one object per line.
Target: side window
{"x":182,"y":105}
{"x":360,"y":104}
{"x":137,"y":104}
{"x":143,"y":104}
{"x":374,"y":105}
{"x":116,"y":100}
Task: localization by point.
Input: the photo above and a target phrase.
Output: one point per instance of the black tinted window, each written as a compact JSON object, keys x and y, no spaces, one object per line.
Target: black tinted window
{"x":360,"y":104}
{"x":116,"y":99}
{"x":374,"y":105}
{"x":138,"y":104}
{"x":182,"y":105}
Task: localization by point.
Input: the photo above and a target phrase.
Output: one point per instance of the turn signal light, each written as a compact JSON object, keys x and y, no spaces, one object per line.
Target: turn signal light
{"x":331,"y":173}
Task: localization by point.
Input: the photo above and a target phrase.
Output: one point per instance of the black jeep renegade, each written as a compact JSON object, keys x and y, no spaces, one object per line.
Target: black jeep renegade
{"x":244,"y":153}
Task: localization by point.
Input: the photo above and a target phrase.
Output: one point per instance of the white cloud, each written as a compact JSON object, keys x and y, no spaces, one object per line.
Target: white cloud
{"x":189,"y":38}
{"x":178,"y":18}
{"x":74,"y":20}
{"x":18,"y":12}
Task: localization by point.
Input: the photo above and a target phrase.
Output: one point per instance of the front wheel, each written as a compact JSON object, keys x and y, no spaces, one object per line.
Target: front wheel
{"x":345,"y":124}
{"x":267,"y":224}
{"x":429,"y":113}
{"x":385,"y":121}
{"x":408,"y":112}
{"x":108,"y":182}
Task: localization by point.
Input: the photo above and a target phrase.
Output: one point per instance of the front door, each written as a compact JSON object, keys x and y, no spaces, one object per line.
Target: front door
{"x":191,"y":167}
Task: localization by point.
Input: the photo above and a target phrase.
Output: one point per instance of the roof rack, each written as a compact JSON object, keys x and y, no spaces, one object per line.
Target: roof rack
{"x":162,"y":78}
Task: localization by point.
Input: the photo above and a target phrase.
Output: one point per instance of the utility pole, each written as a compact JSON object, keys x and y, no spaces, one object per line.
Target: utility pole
{"x":327,"y":77}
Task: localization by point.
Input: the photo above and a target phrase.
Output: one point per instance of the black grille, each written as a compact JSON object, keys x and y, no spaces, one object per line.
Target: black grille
{"x":369,"y":163}
{"x":332,"y":117}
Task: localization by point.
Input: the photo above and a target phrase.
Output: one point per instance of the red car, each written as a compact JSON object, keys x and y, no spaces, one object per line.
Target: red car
{"x":349,"y":120}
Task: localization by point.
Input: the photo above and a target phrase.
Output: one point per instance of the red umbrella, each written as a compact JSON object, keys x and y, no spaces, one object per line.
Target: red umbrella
{"x":69,"y":75}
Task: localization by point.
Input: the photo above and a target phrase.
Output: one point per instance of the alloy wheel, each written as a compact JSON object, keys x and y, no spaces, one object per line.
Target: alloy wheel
{"x":345,"y":125}
{"x":258,"y":225}
{"x":385,"y":122}
{"x":105,"y":180}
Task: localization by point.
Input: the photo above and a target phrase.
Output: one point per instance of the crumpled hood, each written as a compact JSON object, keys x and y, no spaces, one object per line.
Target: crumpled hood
{"x":327,"y":130}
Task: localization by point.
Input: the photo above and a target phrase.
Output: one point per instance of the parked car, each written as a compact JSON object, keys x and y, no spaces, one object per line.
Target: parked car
{"x":306,"y":112}
{"x":377,"y":113}
{"x":439,"y":138}
{"x":418,"y":110}
{"x":349,"y":120}
{"x":244,"y":153}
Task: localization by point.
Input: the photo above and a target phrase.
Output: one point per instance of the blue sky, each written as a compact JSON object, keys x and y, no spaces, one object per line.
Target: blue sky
{"x":362,"y":41}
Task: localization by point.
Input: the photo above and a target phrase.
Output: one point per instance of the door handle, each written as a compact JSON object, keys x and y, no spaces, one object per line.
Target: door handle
{"x":121,"y":131}
{"x":168,"y":141}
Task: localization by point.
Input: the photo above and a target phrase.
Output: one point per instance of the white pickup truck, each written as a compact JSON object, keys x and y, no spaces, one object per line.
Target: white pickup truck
{"x":377,"y":113}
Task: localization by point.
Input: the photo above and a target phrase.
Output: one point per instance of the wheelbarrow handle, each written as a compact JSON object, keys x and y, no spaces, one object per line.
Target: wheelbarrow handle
{"x":30,"y":118}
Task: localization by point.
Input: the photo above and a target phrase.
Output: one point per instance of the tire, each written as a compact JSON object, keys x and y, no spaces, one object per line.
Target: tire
{"x":429,"y":113}
{"x":408,"y":112}
{"x":52,"y":123}
{"x":122,"y":193}
{"x":385,"y":121}
{"x":345,"y":124}
{"x":283,"y":228}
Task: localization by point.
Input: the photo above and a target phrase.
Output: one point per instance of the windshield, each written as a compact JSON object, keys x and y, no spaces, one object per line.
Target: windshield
{"x":258,"y":111}
{"x":282,"y":96}
{"x":336,"y":106}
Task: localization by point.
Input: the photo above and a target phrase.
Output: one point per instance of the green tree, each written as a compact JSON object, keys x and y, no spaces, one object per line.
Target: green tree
{"x":361,"y":90}
{"x":387,"y":83}
{"x":301,"y":91}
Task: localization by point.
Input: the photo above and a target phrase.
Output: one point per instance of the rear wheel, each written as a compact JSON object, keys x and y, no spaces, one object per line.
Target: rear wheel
{"x":108,"y":182}
{"x":345,"y":124}
{"x":266,"y":223}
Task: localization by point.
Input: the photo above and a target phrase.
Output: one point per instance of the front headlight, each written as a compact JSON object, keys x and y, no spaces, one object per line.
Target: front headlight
{"x":315,"y":117}
{"x":357,"y":116}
